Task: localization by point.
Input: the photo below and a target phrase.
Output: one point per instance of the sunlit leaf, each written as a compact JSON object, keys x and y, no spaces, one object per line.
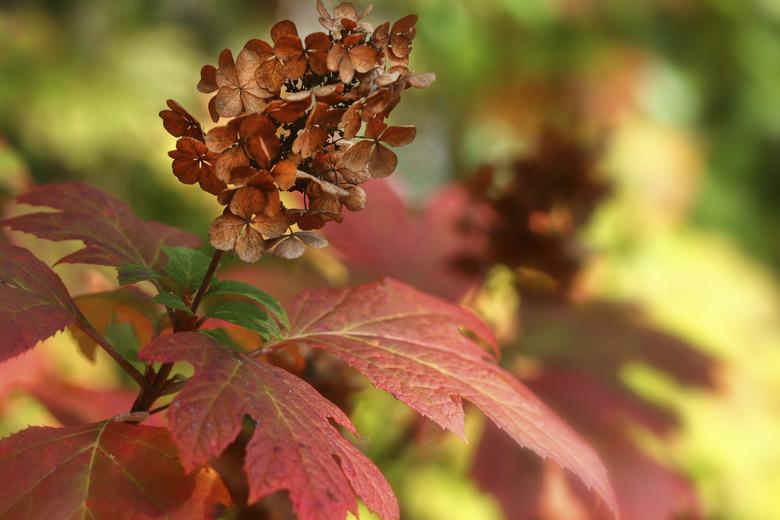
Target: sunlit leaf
{"x":294,"y":447}
{"x":99,"y":470}
{"x":410,"y":344}
{"x":34,"y":304}
{"x":111,"y":232}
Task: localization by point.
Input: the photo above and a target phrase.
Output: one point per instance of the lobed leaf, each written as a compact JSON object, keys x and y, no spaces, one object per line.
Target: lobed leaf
{"x":101,"y":470}
{"x":410,"y":344}
{"x":134,"y":273}
{"x":186,"y":267}
{"x":34,"y":303}
{"x":171,"y":301}
{"x":236,"y":288}
{"x":112,"y":234}
{"x":294,"y":446}
{"x":245,"y":315}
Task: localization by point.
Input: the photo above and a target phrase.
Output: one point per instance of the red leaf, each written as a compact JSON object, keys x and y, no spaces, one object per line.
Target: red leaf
{"x":645,"y":489}
{"x":389,"y":240}
{"x":111,"y":232}
{"x":294,"y":446}
{"x":409,"y":344}
{"x":99,"y":471}
{"x":34,"y":304}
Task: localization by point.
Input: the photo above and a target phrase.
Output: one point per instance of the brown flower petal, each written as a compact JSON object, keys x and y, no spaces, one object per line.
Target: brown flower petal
{"x":357,"y":156}
{"x":363,"y":58}
{"x":179,"y":123}
{"x":311,"y":239}
{"x":225,"y":230}
{"x":208,"y":79}
{"x":228,"y":102}
{"x":335,"y":55}
{"x":186,"y":170}
{"x":284,"y":174}
{"x":247,"y":202}
{"x":316,"y":47}
{"x":228,"y":161}
{"x":220,"y":138}
{"x":404,"y":25}
{"x":261,"y":142}
{"x":250,"y":245}
{"x":398,"y":135}
{"x":382,"y":162}
{"x":350,"y":122}
{"x":283,"y":28}
{"x":271,"y":226}
{"x":356,"y":200}
{"x":213,"y":109}
{"x":209,"y":182}
{"x":289,"y":248}
{"x":374,"y":129}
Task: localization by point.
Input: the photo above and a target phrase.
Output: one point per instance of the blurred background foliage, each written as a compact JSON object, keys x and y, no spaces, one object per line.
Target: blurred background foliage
{"x":684,"y":96}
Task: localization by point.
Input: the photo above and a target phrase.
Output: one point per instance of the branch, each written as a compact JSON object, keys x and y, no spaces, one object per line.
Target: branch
{"x":149,"y":395}
{"x":204,"y":284}
{"x":95,"y":336}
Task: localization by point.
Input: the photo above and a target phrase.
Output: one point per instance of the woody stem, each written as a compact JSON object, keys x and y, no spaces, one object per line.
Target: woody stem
{"x":149,"y":395}
{"x":95,"y":336}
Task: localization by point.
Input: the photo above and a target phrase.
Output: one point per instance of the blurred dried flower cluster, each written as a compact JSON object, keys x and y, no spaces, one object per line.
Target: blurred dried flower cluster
{"x":537,"y":209}
{"x":295,"y":109}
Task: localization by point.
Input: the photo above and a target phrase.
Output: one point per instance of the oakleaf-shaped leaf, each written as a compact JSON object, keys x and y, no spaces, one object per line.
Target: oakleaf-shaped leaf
{"x":34,"y":304}
{"x":186,"y":267}
{"x":294,"y":447}
{"x":100,"y":471}
{"x":134,"y":273}
{"x":411,"y":344}
{"x":171,"y":301}
{"x":111,"y":232}
{"x":245,"y":315}
{"x":230,"y":288}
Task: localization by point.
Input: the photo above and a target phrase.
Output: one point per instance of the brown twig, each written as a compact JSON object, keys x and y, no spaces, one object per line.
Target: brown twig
{"x":95,"y":336}
{"x":149,"y":394}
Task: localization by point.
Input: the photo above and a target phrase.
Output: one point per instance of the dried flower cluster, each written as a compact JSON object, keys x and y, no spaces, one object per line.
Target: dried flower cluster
{"x":295,"y":108}
{"x":536,"y":215}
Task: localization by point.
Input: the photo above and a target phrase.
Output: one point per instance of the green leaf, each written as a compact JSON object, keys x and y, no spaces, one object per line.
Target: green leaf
{"x":186,"y":267}
{"x":245,"y":315}
{"x":236,"y":288}
{"x":134,"y":273}
{"x":221,"y":336}
{"x":171,"y":301}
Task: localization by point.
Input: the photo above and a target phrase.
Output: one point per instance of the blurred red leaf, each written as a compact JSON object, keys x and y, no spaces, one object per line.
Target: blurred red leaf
{"x":99,"y":471}
{"x":645,"y":489}
{"x":124,"y":305}
{"x":111,"y":232}
{"x":583,"y":349}
{"x":410,"y":344}
{"x":600,"y":338}
{"x":386,"y":239}
{"x":34,"y":304}
{"x":294,"y":447}
{"x":74,"y":405}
